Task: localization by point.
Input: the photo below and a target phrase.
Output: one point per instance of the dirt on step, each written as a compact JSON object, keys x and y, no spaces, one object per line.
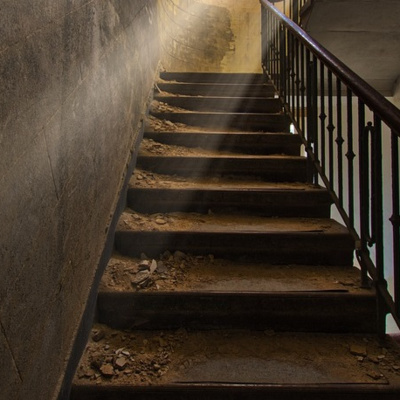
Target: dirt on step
{"x":184,"y":272}
{"x":151,"y":358}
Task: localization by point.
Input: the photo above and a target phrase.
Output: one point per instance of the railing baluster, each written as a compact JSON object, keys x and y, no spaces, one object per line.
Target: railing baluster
{"x":350,"y":156}
{"x":302,"y":87}
{"x":364,"y":188}
{"x":377,"y":216}
{"x":395,"y":219}
{"x":297,"y":81}
{"x":339,"y":139}
{"x":331,"y":129}
{"x":322,"y":116}
{"x":292,"y":73}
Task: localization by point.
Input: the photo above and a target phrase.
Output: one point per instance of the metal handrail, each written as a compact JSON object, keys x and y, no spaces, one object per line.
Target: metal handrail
{"x":370,"y":96}
{"x":311,"y":82}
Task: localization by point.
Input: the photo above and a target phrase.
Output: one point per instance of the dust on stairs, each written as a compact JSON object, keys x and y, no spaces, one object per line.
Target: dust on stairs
{"x":229,"y":279}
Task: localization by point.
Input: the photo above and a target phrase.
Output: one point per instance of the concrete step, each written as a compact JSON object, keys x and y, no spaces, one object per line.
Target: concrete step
{"x":244,"y":142}
{"x":271,"y":168}
{"x":213,"y":77}
{"x":252,"y":122}
{"x":230,"y":364}
{"x":223,"y":104}
{"x":217,"y":89}
{"x":276,"y":240}
{"x":226,"y":195}
{"x":207,"y":293}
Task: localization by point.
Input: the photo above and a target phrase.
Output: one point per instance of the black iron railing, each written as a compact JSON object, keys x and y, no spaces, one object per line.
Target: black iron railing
{"x":351,"y":138}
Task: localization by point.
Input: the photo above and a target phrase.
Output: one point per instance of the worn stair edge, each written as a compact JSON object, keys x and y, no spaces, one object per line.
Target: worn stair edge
{"x":217,"y":89}
{"x":274,"y":247}
{"x":214,"y":77}
{"x":237,"y":392}
{"x":335,"y":312}
{"x":271,"y":168}
{"x":256,"y":122}
{"x":250,"y":142}
{"x":223,"y":104}
{"x":288,"y":203}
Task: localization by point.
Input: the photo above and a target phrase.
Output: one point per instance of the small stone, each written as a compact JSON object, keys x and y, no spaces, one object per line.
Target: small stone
{"x":156,"y":367}
{"x":89,"y":374}
{"x":167,"y":255}
{"x":396,"y":367}
{"x":141,"y":279}
{"x":375,"y":375}
{"x":179,"y":255}
{"x":107,"y":370}
{"x":140,"y":177}
{"x":121,"y":363}
{"x":381,"y":357}
{"x":347,"y":283}
{"x":126,"y":353}
{"x":160,"y":221}
{"x":144,"y":265}
{"x":153,"y":266}
{"x":360,"y":359}
{"x":161,"y":267}
{"x":107,"y":347}
{"x":98,"y":334}
{"x":358,"y":350}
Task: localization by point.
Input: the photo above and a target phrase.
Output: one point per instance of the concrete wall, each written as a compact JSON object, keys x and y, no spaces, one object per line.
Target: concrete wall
{"x":74,"y":75}
{"x":211,"y":35}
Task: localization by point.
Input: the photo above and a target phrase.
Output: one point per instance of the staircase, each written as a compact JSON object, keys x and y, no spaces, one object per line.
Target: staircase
{"x":229,"y":279}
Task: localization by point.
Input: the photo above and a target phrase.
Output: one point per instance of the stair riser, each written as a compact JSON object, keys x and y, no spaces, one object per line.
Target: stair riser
{"x":255,"y":122}
{"x":217,"y":90}
{"x":244,"y":143}
{"x":274,"y":170}
{"x":212,"y":77}
{"x":280,"y":248}
{"x":306,"y":312}
{"x":285,"y":204}
{"x":236,"y":392}
{"x":223,"y":104}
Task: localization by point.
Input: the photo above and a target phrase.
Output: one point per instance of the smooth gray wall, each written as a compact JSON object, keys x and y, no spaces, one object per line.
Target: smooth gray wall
{"x":74,"y":77}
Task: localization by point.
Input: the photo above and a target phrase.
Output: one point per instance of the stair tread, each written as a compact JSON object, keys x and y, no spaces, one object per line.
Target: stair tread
{"x":238,"y":224}
{"x":236,"y":357}
{"x":211,"y":77}
{"x":149,"y":180}
{"x":185,"y":273}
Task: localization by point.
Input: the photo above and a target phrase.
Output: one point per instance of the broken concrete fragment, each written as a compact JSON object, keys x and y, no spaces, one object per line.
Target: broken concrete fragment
{"x":153,"y":266}
{"x":161,"y":267}
{"x":97,"y":335}
{"x":121,"y":363}
{"x":358,"y":350}
{"x":107,"y":370}
{"x":141,"y":279}
{"x":144,"y":265}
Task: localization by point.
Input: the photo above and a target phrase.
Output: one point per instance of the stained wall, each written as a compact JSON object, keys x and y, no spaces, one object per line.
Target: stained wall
{"x":74,"y":78}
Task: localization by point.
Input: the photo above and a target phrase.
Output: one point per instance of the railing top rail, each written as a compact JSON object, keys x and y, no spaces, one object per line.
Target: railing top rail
{"x":389,"y":113}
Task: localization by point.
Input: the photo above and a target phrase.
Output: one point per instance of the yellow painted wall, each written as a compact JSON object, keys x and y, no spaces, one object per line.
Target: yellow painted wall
{"x":210,"y":35}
